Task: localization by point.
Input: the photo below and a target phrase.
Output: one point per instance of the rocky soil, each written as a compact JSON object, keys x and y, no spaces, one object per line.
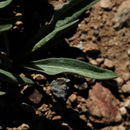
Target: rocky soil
{"x":80,"y":103}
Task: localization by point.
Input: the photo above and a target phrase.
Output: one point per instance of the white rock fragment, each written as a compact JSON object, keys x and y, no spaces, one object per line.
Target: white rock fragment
{"x":106,"y":4}
{"x":123,"y":111}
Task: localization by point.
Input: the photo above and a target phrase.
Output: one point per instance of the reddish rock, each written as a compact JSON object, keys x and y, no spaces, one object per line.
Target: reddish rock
{"x":35,"y":97}
{"x":103,"y":105}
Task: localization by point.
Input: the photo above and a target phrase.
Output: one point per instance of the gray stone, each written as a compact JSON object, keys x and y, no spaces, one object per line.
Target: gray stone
{"x":123,"y":15}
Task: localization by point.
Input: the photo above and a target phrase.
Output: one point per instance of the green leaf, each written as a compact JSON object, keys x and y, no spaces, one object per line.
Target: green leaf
{"x":5,"y":3}
{"x":14,"y":79}
{"x":5,"y":27}
{"x":62,"y":17}
{"x":2,"y":93}
{"x":71,"y":11}
{"x":54,"y":66}
{"x":52,"y":35}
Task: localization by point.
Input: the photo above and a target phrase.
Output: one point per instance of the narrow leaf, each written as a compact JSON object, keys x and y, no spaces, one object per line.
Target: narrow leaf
{"x":2,"y":93}
{"x":61,"y":18}
{"x":54,"y":66}
{"x":14,"y":79}
{"x":5,"y":3}
{"x":5,"y":27}
{"x":67,"y":14}
{"x":53,"y":34}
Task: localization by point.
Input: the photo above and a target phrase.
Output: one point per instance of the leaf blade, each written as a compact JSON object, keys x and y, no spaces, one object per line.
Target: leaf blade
{"x":54,"y":66}
{"x":14,"y":79}
{"x":52,"y":35}
{"x":5,"y":3}
{"x":2,"y":93}
{"x":66,"y":14}
{"x":5,"y":27}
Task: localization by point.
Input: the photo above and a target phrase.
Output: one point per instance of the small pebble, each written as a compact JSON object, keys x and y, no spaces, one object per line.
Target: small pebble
{"x":83,"y":117}
{"x":60,"y":87}
{"x":100,"y":60}
{"x":38,"y":77}
{"x":120,"y":127}
{"x":127,"y":103}
{"x":123,"y":111}
{"x":126,"y":76}
{"x":106,"y":4}
{"x":81,"y":86}
{"x":58,"y":117}
{"x":119,"y":81}
{"x":18,"y":14}
{"x":18,"y":23}
{"x":93,"y":62}
{"x":1,"y":128}
{"x":108,"y":63}
{"x":36,"y":97}
{"x":73,"y":98}
{"x":128,"y":52}
{"x":126,"y":87}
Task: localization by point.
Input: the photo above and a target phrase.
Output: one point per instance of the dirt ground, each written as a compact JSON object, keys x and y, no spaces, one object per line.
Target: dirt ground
{"x":103,"y":37}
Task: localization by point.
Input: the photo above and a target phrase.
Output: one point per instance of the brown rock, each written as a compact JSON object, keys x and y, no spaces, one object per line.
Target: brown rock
{"x":126,"y":76}
{"x":92,"y":61}
{"x":90,"y":47}
{"x":106,"y":4}
{"x":100,"y":60}
{"x":18,"y":23}
{"x":38,"y":77}
{"x":58,"y":117}
{"x":128,"y":52}
{"x":126,"y":103}
{"x":73,"y":98}
{"x":126,"y":87}
{"x":119,"y":81}
{"x":35,"y":97}
{"x":21,"y":127}
{"x":103,"y":105}
{"x":18,"y":14}
{"x":114,"y":128}
{"x":83,"y":117}
{"x":108,"y":63}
